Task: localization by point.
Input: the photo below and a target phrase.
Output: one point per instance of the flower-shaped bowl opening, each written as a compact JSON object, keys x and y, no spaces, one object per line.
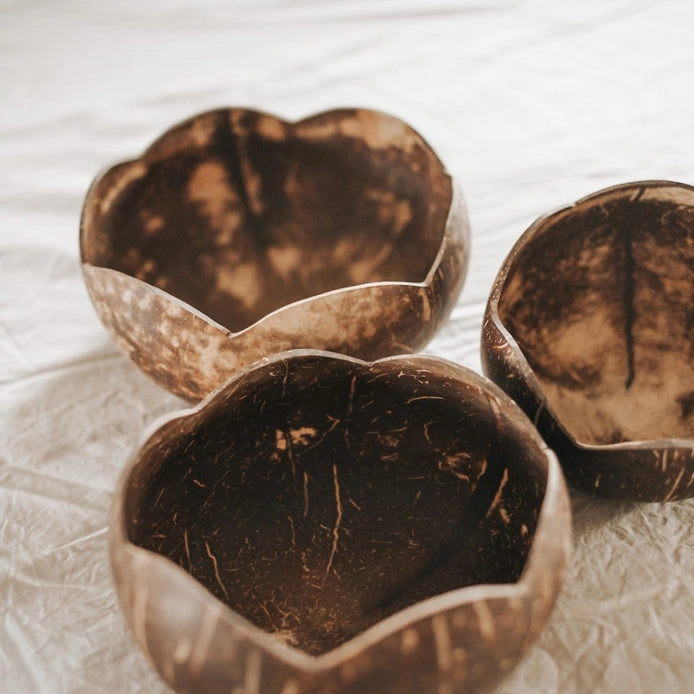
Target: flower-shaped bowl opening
{"x":599,"y":297}
{"x":316,"y":495}
{"x":238,"y":213}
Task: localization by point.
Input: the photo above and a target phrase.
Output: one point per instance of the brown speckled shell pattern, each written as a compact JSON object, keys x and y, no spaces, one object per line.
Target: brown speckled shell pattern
{"x":611,"y":276}
{"x":408,"y":255}
{"x":460,"y":640}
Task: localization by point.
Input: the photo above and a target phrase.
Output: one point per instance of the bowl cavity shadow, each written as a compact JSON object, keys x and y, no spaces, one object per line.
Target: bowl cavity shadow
{"x":590,"y":327}
{"x":351,"y":526}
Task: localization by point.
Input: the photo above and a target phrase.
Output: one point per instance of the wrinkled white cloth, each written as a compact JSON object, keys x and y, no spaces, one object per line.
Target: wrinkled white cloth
{"x":530,"y":103}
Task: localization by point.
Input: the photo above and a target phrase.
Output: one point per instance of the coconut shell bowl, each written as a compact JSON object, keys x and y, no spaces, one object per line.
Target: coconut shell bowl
{"x":590,"y":328}
{"x":326,"y":525}
{"x":237,"y":235}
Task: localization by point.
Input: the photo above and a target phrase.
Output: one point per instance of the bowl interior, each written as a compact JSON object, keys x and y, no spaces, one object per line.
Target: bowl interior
{"x":600,"y":299}
{"x":321,"y":496}
{"x":238,"y":213}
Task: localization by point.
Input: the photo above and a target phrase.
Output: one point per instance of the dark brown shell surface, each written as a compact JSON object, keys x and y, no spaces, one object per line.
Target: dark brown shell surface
{"x":590,"y":328}
{"x":237,"y":235}
{"x":322,"y":525}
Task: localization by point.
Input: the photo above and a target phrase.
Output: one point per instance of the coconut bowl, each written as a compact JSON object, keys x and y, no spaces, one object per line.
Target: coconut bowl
{"x":237,"y":235}
{"x":326,"y":525}
{"x":590,"y":328}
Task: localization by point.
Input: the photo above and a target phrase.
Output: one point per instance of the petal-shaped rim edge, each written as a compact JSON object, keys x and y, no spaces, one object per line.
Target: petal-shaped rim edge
{"x":681,"y":488}
{"x":552,"y":534}
{"x":440,"y":288}
{"x":456,"y":229}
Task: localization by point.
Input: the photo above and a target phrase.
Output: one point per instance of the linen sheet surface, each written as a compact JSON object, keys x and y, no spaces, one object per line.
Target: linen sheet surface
{"x":531,"y":104}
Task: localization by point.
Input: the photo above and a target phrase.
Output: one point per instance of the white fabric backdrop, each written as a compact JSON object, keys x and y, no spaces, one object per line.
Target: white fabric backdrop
{"x":530,"y":103}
